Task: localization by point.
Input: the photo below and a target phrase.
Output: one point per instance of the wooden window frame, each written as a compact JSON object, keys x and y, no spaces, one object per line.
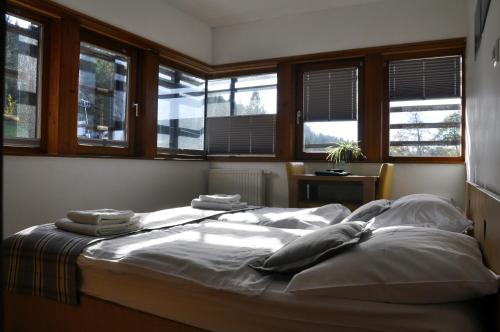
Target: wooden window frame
{"x":334,"y":64}
{"x":415,"y":54}
{"x":166,"y":153}
{"x":45,"y":88}
{"x":232,"y":71}
{"x":132,"y":94}
{"x":60,"y":97}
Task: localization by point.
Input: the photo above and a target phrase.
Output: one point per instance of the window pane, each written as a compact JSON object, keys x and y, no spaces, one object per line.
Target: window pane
{"x":425,"y":107}
{"x":330,"y":94}
{"x":181,"y":110}
{"x":219,"y":84}
{"x":241,"y":115}
{"x":319,"y":135}
{"x":425,"y":128}
{"x":256,"y":80}
{"x":22,"y":88}
{"x":103,"y":97}
{"x":330,"y":106}
{"x":218,"y":104}
{"x":255,"y":101}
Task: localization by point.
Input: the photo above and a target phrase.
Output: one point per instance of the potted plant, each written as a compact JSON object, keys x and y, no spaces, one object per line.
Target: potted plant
{"x":343,"y":153}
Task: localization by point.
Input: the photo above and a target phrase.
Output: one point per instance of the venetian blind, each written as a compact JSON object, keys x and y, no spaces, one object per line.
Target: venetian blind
{"x":427,"y":78}
{"x":245,"y":134}
{"x":331,"y":95}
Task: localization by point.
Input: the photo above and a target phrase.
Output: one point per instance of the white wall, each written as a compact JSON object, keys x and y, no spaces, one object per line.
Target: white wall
{"x":38,"y":190}
{"x":154,"y":20}
{"x":380,"y":23}
{"x":374,"y":24}
{"x":443,"y":180}
{"x":483,"y":104}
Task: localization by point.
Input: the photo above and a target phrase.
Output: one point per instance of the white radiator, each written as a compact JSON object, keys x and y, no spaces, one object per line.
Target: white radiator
{"x":250,"y":184}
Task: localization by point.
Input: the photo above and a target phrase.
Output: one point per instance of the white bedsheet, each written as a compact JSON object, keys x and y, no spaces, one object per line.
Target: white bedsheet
{"x":211,"y":253}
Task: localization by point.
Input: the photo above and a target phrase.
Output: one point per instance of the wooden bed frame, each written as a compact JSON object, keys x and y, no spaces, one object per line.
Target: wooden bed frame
{"x":30,"y":313}
{"x":483,"y":208}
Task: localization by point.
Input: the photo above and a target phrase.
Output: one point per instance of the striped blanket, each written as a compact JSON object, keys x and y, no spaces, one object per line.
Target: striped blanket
{"x":41,"y":261}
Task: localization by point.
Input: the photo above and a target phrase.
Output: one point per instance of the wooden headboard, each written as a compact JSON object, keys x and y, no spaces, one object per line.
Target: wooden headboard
{"x":483,"y":207}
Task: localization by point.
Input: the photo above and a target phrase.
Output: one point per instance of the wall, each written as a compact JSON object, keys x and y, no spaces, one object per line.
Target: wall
{"x":443,"y":180}
{"x":154,"y":20}
{"x":380,"y":23}
{"x":374,"y":24}
{"x":483,"y":104}
{"x":40,"y":189}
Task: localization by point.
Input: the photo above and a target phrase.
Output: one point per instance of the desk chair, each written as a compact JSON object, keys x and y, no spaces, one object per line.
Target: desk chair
{"x":384,"y":183}
{"x":293,"y":168}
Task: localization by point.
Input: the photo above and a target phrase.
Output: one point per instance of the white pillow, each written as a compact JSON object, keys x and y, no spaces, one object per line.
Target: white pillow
{"x":402,"y":265}
{"x":422,"y":210}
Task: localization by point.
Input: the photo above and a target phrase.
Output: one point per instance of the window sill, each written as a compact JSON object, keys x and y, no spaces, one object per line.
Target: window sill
{"x":10,"y":152}
{"x":23,"y":151}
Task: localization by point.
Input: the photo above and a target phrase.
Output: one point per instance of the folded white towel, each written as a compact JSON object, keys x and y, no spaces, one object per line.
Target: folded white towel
{"x":100,"y":230}
{"x":199,"y":204}
{"x":220,"y":198}
{"x":100,"y":216}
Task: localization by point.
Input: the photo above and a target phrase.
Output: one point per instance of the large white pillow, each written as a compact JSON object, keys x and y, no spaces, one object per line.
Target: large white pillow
{"x":402,"y":265}
{"x":422,"y":210}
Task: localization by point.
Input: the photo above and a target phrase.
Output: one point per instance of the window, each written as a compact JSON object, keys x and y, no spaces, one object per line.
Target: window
{"x":241,"y":115}
{"x":103,"y":97}
{"x":22,"y":98}
{"x":181,"y":111}
{"x":425,"y":107}
{"x":329,"y":95}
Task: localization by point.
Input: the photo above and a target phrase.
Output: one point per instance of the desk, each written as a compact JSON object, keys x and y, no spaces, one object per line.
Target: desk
{"x":301,"y":195}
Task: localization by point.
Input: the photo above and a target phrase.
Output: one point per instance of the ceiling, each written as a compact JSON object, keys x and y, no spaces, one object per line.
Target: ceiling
{"x":216,"y":13}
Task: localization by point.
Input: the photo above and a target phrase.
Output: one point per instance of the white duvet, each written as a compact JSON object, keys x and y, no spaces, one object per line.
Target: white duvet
{"x":211,"y":253}
{"x":313,"y":218}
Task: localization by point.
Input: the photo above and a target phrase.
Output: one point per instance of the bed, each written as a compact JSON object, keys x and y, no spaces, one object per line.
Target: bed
{"x":130,"y":294}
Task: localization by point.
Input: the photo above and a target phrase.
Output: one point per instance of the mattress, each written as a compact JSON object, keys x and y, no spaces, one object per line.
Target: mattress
{"x":274,"y":309}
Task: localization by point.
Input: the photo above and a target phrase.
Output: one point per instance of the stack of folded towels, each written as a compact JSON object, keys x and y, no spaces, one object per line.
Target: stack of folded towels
{"x":219,"y":202}
{"x":102,"y":222}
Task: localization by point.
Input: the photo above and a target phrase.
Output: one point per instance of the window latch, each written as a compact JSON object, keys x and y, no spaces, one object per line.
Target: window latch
{"x":299,"y":116}
{"x":136,"y":107}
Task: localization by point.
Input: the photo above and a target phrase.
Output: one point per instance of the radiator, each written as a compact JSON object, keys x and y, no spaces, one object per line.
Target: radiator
{"x":250,"y":184}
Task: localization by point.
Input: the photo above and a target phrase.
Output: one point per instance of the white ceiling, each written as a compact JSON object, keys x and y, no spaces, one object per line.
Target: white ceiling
{"x":218,"y":13}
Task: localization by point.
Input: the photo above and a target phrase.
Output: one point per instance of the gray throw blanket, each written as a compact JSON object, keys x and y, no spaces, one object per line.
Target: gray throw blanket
{"x":41,"y":261}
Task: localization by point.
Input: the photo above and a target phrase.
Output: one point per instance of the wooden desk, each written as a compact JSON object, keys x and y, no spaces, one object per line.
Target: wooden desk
{"x":299,"y":182}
